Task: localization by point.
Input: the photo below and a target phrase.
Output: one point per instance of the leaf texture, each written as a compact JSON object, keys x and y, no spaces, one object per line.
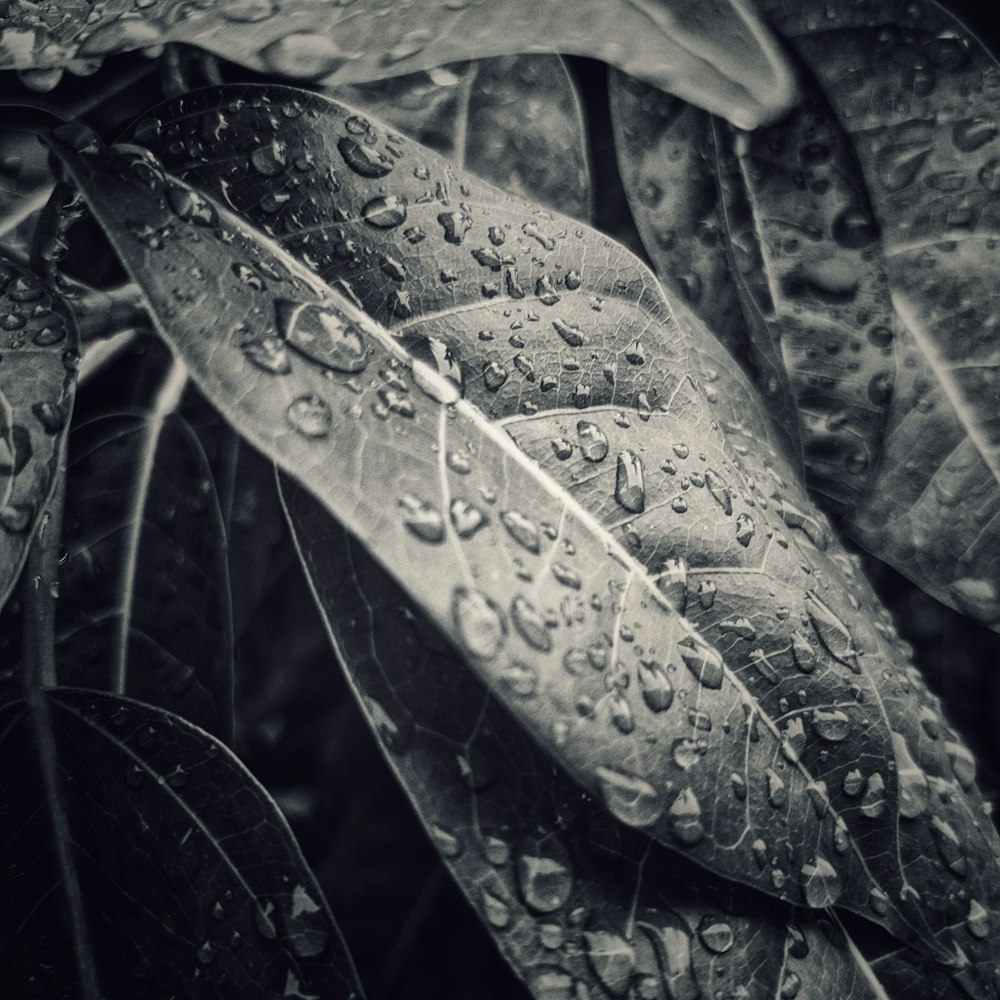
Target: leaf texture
{"x":500,"y":118}
{"x":862,"y":236}
{"x":145,"y":606}
{"x":38,"y":347}
{"x":190,"y":909}
{"x":575,"y":901}
{"x":644,"y":506}
{"x":716,"y":54}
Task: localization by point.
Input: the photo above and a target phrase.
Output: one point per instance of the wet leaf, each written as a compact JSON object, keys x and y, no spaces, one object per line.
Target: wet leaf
{"x":661,"y":510}
{"x":188,"y":906}
{"x":38,"y":358}
{"x":500,"y":118}
{"x":718,"y":55}
{"x":574,"y":900}
{"x":144,"y":604}
{"x":863,"y":240}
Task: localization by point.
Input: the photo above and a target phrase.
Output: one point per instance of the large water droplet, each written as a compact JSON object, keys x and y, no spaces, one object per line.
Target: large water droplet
{"x":544,"y":874}
{"x":716,"y":934}
{"x":821,"y":884}
{"x":832,"y":632}
{"x":304,"y":925}
{"x":831,"y":724}
{"x":385,"y":212}
{"x":630,"y":490}
{"x":303,"y":55}
{"x":423,"y":519}
{"x":612,"y":959}
{"x":703,"y":661}
{"x":321,"y":335}
{"x":630,"y":799}
{"x":684,"y":817}
{"x":593,"y":441}
{"x":364,"y":160}
{"x":657,"y":691}
{"x":530,"y":624}
{"x":479,"y":622}
{"x":310,"y":416}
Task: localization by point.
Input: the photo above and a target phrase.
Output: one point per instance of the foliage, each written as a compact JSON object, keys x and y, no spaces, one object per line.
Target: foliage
{"x":579,"y":572}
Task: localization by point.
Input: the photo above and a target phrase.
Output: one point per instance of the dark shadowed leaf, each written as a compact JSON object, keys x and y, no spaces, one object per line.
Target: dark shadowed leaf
{"x":516,"y":121}
{"x":144,"y":605}
{"x":863,"y":238}
{"x":666,"y":518}
{"x":578,"y":904}
{"x":38,"y":359}
{"x":165,"y":836}
{"x":716,"y":54}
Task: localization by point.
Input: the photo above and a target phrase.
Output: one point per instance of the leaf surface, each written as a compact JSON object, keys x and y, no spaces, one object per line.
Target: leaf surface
{"x":644,"y":505}
{"x":717,"y":54}
{"x":574,"y":900}
{"x":38,"y":357}
{"x":191,"y":908}
{"x":500,"y":118}
{"x":863,"y":238}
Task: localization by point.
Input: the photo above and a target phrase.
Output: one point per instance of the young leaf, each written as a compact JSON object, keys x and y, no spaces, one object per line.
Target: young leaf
{"x":575,"y":901}
{"x":37,"y":381}
{"x":144,"y":606}
{"x":719,"y":55}
{"x":873,"y":208}
{"x":640,"y":507}
{"x":500,"y":118}
{"x":142,"y":873}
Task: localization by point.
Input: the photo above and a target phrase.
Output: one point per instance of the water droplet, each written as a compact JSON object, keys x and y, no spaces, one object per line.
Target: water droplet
{"x":963,"y":764}
{"x":497,"y":911}
{"x":686,"y":752}
{"x":268,"y":354}
{"x":855,"y":228}
{"x":423,"y":519}
{"x":899,"y":165}
{"x":949,"y":846}
{"x":631,"y":800}
{"x":310,"y":416}
{"x":744,"y":529}
{"x":530,"y":624}
{"x":49,"y":415}
{"x":973,"y":133}
{"x":914,"y":791}
{"x":831,"y":724}
{"x":479,"y":622}
{"x":494,"y":375}
{"x":720,"y":491}
{"x":978,"y":920}
{"x":612,"y":959}
{"x":465,"y":518}
{"x":522,"y":530}
{"x":684,"y":817}
{"x":545,"y":291}
{"x":566,"y":576}
{"x":630,"y":491}
{"x":593,"y":441}
{"x":657,"y":691}
{"x":715,"y":934}
{"x":385,"y":212}
{"x":544,"y":874}
{"x":703,"y":661}
{"x":264,"y":921}
{"x":321,"y":335}
{"x":549,"y":982}
{"x":777,"y":794}
{"x":873,"y":802}
{"x":803,"y":653}
{"x":304,"y":55}
{"x":821,"y":884}
{"x":269,"y":160}
{"x":448,"y":844}
{"x":364,"y":160}
{"x":790,"y":986}
{"x":878,"y":901}
{"x":206,"y":953}
{"x":832,"y":632}
{"x":455,"y":226}
{"x":518,"y":678}
{"x":621,"y":713}
{"x":305,"y":932}
{"x":569,"y":332}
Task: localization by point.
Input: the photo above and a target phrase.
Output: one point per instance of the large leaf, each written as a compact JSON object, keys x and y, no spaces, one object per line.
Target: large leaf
{"x":863,"y":236}
{"x":38,"y":358}
{"x":500,"y":118}
{"x":156,"y":867}
{"x":716,"y":54}
{"x":575,"y":901}
{"x":808,"y":709}
{"x":145,"y":606}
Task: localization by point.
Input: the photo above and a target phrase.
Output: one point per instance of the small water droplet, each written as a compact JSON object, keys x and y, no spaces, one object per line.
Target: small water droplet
{"x":466,"y":519}
{"x":385,"y":212}
{"x":497,"y":911}
{"x":777,"y":794}
{"x":631,"y":800}
{"x":593,"y":441}
{"x":716,"y":934}
{"x":544,"y":874}
{"x":703,"y":661}
{"x":744,"y":529}
{"x":831,"y":724}
{"x":569,"y":332}
{"x":479,"y":622}
{"x":978,"y":920}
{"x":684,"y":817}
{"x":657,"y":691}
{"x":530,"y":624}
{"x":522,"y":530}
{"x":873,"y":801}
{"x":630,"y":491}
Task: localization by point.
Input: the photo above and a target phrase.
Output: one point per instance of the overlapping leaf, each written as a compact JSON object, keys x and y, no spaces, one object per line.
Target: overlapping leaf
{"x":38,"y":358}
{"x":843,"y":784}
{"x":863,"y":235}
{"x":145,"y":607}
{"x":210,"y":897}
{"x":500,"y":118}
{"x":578,"y":904}
{"x":718,"y":55}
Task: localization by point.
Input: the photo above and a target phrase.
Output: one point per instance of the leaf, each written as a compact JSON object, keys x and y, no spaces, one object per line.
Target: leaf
{"x":500,"y":118}
{"x":639,"y":508}
{"x":37,"y":377}
{"x":887,"y":169}
{"x":578,"y":904}
{"x":145,"y":607}
{"x":719,"y":54}
{"x":141,"y":874}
